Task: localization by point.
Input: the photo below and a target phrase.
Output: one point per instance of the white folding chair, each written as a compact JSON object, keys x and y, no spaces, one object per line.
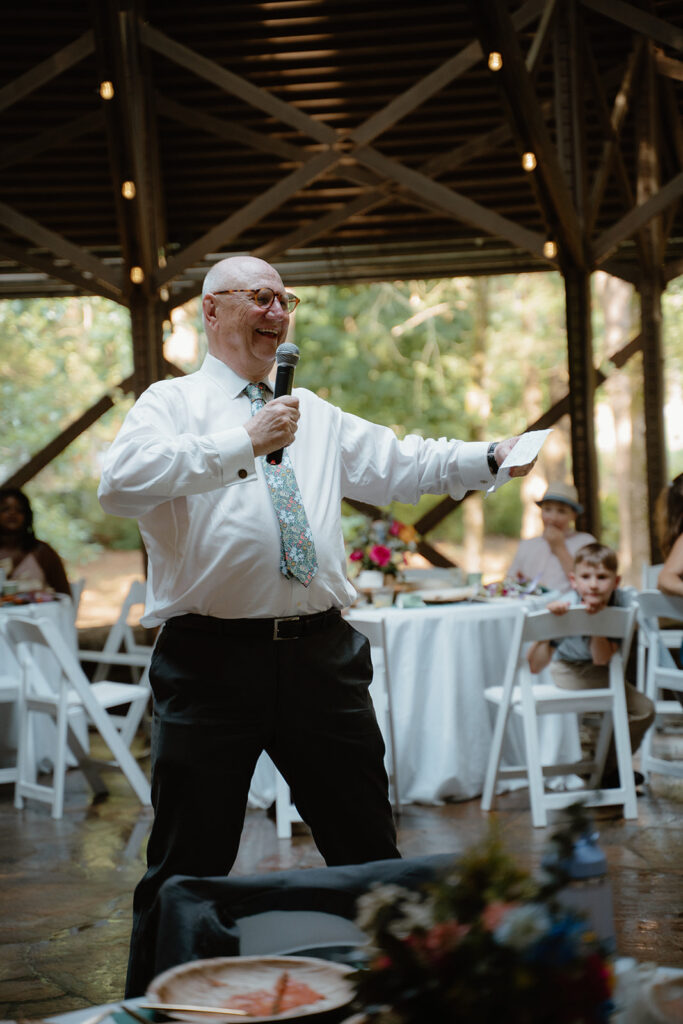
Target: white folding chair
{"x":121,"y":647}
{"x":662,"y":673}
{"x":76,"y":587}
{"x":380,"y":692}
{"x":648,"y":581}
{"x":9,"y":694}
{"x":59,"y":697}
{"x":520,"y":694}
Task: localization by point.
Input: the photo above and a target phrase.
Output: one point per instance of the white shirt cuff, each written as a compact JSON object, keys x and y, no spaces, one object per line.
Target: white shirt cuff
{"x":236,"y":455}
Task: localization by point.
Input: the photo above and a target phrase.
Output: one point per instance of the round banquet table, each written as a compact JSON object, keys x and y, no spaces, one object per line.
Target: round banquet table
{"x":61,"y":613}
{"x":441,"y":659}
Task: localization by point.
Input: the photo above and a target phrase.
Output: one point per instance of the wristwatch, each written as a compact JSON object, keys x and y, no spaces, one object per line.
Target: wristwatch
{"x":491,"y":458}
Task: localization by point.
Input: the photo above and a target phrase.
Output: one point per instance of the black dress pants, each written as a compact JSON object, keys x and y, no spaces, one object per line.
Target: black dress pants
{"x":219,"y":701}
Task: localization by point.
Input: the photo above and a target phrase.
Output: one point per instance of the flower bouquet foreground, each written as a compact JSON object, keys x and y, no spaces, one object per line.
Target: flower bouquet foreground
{"x":484,"y":945}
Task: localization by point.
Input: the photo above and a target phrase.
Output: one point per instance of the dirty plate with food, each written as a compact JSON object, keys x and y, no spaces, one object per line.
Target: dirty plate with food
{"x":260,"y":988}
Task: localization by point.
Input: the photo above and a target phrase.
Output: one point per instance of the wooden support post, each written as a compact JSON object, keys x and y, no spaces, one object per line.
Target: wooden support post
{"x":582,"y":380}
{"x":650,"y":289}
{"x":571,"y":144}
{"x":653,"y":385}
{"x":146,"y":325}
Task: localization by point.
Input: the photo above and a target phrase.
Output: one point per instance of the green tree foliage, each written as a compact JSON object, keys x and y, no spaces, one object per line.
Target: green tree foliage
{"x":58,"y":357}
{"x":401,"y":353}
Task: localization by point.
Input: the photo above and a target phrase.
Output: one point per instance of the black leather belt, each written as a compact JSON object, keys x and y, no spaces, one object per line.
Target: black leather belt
{"x":291,"y":627}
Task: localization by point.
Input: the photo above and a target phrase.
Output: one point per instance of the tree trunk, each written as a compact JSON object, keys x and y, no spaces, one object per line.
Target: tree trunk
{"x":624,"y":469}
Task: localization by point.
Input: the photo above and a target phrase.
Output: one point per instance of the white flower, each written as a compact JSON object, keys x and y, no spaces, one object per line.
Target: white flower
{"x":523,"y":926}
{"x":409,"y":910}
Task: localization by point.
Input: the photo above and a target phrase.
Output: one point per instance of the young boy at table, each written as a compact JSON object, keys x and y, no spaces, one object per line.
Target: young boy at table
{"x":579,"y":663}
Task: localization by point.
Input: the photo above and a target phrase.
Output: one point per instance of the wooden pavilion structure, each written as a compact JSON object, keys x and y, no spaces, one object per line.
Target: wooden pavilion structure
{"x":346,"y":141}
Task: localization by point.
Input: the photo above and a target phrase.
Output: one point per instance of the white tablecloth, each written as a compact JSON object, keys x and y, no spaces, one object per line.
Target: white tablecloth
{"x":441,"y":659}
{"x":61,"y":613}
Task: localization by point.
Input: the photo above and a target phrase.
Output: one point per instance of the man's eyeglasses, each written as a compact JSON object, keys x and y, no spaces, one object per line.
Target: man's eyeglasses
{"x":264,"y":297}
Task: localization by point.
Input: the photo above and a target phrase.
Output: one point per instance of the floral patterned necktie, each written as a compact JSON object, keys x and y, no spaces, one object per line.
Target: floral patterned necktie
{"x":297,"y":551}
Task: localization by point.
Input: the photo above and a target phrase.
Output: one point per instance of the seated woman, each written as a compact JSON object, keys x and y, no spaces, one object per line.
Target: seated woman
{"x":670,"y":531}
{"x":28,"y":557}
{"x":549,"y":559}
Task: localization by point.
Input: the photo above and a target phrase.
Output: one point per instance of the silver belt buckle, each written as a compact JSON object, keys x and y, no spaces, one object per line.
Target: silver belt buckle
{"x":276,"y":626}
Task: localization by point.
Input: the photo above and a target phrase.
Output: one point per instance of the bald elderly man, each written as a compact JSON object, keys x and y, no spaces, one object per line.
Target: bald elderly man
{"x":247,"y":577}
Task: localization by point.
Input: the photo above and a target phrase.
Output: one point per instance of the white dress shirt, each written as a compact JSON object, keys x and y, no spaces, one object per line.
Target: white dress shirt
{"x":183,"y":465}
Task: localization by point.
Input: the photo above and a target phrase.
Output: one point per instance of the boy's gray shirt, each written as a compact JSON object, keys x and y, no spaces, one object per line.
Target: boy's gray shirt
{"x":577,"y":648}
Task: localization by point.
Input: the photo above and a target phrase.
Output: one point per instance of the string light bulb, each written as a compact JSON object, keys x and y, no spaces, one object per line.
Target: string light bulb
{"x":107,"y":90}
{"x":137,"y":275}
{"x":528,"y":161}
{"x":164,"y":294}
{"x":495,"y":61}
{"x":128,"y":190}
{"x":550,"y":249}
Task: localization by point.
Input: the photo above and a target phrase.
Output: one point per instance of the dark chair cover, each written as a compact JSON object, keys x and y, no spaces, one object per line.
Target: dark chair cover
{"x":198,"y":918}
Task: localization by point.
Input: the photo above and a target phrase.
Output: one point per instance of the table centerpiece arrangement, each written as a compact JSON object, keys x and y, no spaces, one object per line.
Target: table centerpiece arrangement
{"x":377,"y":546}
{"x":517,"y":586}
{"x":485,"y":944}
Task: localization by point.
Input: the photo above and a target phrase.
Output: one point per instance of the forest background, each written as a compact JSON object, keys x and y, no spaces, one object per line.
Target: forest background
{"x":474,"y":358}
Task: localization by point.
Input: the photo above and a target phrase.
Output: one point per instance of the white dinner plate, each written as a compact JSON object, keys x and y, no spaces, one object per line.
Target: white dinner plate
{"x":231,"y":982}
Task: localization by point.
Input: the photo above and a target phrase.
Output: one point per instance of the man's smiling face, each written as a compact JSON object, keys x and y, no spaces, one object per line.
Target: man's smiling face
{"x":240,"y":332}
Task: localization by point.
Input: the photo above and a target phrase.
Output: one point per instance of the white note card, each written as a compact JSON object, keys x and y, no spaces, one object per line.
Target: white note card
{"x":524,"y":452}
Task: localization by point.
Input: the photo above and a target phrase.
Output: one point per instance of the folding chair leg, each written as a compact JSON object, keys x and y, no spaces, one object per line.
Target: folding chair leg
{"x":539,"y":817}
{"x":602,"y":746}
{"x":85,"y":764}
{"x":131,"y":721}
{"x":23,"y":753}
{"x":59,"y":762}
{"x":495,"y":754}
{"x":126,"y":762}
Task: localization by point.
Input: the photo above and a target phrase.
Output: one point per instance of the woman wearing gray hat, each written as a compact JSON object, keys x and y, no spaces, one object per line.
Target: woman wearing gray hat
{"x":549,"y":559}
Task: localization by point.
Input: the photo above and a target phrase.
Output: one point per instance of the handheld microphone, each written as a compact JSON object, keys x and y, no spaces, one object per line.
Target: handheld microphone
{"x":286,"y":356}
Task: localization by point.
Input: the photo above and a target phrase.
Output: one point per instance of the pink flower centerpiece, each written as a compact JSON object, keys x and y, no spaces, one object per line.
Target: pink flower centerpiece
{"x":379,"y":544}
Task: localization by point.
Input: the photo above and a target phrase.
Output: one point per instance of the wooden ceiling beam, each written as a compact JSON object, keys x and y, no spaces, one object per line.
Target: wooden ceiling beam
{"x":323,"y":226}
{"x":668,"y":67}
{"x":46,"y":266}
{"x":637,"y":218}
{"x":672,"y":270}
{"x":53,"y":138}
{"x":48,"y":69}
{"x":432,"y":168}
{"x":140,"y":135}
{"x":233,"y":226}
{"x":434,"y":82}
{"x":230,"y":131}
{"x":451,"y":202}
{"x":111,"y":59}
{"x":41,"y":236}
{"x":657,"y":29}
{"x":231,"y":83}
{"x":612,"y":123}
{"x":672,"y":130}
{"x":519,"y":101}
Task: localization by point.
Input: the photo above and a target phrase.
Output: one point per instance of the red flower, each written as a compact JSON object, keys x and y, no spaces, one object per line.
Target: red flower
{"x":380,"y":555}
{"x":356,"y":555}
